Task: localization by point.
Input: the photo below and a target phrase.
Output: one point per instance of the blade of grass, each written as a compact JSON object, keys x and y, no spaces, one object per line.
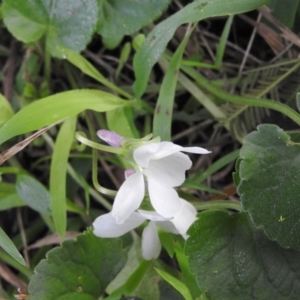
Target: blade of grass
{"x":54,"y":108}
{"x":220,"y":163}
{"x":176,"y":284}
{"x":164,"y":107}
{"x":222,"y":43}
{"x":155,"y":44}
{"x":10,"y":248}
{"x":243,"y":100}
{"x":87,"y":68}
{"x":58,"y":173}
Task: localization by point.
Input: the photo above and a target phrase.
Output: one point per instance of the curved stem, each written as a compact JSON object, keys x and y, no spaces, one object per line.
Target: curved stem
{"x":222,"y":204}
{"x":96,"y":184}
{"x":243,"y":100}
{"x":80,"y":136}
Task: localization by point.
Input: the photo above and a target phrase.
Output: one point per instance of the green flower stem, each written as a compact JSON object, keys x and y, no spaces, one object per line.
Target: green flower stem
{"x":222,"y":204}
{"x":243,"y":100}
{"x":47,"y":70}
{"x":79,"y":180}
{"x":96,"y":184}
{"x":80,"y":136}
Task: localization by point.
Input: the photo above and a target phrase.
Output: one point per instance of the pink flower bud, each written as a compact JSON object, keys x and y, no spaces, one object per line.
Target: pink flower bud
{"x":110,"y":137}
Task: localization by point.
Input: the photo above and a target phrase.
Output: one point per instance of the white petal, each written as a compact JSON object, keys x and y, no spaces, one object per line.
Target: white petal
{"x":170,"y":170}
{"x":129,"y":197}
{"x":164,"y":200}
{"x":151,"y":215}
{"x":166,"y":149}
{"x":151,"y":246}
{"x":106,"y":226}
{"x":197,"y":150}
{"x":185,"y":217}
{"x":143,"y":154}
{"x":167,"y":226}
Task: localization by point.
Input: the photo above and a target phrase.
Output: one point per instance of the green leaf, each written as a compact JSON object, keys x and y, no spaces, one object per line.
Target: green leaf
{"x":234,"y":261}
{"x":176,"y":284}
{"x":87,"y":68}
{"x":143,"y":282}
{"x":269,"y":189}
{"x":183,"y":264}
{"x":157,"y":40}
{"x":5,"y":110}
{"x":9,"y":197}
{"x":67,"y":24}
{"x":121,"y":121}
{"x":58,"y":174}
{"x":285,"y":11}
{"x":120,"y":18}
{"x":57,"y":107}
{"x":79,"y":269}
{"x":10,"y":248}
{"x":162,"y":120}
{"x":33,"y":193}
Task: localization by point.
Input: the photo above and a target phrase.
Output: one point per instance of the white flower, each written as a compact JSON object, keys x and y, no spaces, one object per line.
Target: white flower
{"x":106,"y":226}
{"x":164,"y":167}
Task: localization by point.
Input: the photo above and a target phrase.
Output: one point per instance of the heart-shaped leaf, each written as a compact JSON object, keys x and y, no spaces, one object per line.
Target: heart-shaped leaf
{"x":79,"y":269}
{"x":68,"y":24}
{"x":269,"y":170}
{"x":119,"y":18}
{"x":232,"y":260}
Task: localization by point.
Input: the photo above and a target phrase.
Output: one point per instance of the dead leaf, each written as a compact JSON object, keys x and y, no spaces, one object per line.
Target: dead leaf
{"x":7,"y":154}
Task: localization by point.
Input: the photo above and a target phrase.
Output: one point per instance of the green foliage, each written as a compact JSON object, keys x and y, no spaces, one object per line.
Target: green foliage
{"x":57,"y":107}
{"x":285,"y":11}
{"x":68,"y":24}
{"x":5,"y":110}
{"x":227,"y":255}
{"x":177,"y":284}
{"x":279,"y":80}
{"x":9,"y":197}
{"x":269,"y":171}
{"x":10,"y":248}
{"x":159,"y":37}
{"x":33,"y":193}
{"x":79,"y":269}
{"x":58,"y":174}
{"x":120,"y":18}
{"x":233,"y":261}
{"x":162,"y":118}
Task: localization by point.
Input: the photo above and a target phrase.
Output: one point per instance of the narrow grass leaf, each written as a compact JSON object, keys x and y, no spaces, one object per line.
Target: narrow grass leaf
{"x":6,"y":111}
{"x":157,"y":40}
{"x":57,"y":107}
{"x":223,"y":41}
{"x":87,"y":68}
{"x":10,"y":248}
{"x":216,"y":166}
{"x":164,"y":107}
{"x":58,"y":173}
{"x":176,"y":284}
